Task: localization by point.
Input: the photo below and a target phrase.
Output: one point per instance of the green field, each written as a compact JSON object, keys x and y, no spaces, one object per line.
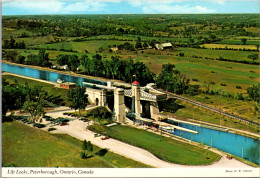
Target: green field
{"x":30,"y":147}
{"x":80,"y":47}
{"x":227,"y":54}
{"x":165,"y":148}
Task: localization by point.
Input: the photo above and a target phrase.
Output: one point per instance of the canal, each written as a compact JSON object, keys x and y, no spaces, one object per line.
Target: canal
{"x":47,"y":75}
{"x":238,"y":145}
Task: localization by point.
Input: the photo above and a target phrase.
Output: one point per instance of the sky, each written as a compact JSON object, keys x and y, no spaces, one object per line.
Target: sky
{"x":39,"y":7}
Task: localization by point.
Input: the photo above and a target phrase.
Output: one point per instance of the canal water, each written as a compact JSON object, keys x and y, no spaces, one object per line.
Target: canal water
{"x":238,"y":145}
{"x":46,"y":75}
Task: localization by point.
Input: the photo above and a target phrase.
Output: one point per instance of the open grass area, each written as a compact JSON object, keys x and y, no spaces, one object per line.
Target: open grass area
{"x":80,"y":47}
{"x":30,"y":147}
{"x":165,"y":148}
{"x":227,"y":54}
{"x":242,"y":108}
{"x":47,"y":87}
{"x":189,"y":111}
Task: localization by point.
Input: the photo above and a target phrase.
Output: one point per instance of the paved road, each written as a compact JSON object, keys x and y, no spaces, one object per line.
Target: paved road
{"x":210,"y":108}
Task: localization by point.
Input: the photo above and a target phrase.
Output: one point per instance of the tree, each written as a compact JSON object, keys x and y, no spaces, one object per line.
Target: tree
{"x":172,"y":80}
{"x":243,"y":40}
{"x":253,"y":56}
{"x":89,"y":147}
{"x":34,"y":103}
{"x":43,"y":58}
{"x":78,"y":97}
{"x":84,"y":145}
{"x":138,"y":45}
{"x":21,"y":59}
{"x":254,"y":92}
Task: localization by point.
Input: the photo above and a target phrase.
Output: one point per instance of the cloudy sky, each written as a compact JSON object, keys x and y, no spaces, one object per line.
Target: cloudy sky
{"x":33,"y":7}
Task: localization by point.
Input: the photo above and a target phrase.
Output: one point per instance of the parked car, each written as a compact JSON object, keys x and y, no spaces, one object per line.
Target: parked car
{"x":104,"y":138}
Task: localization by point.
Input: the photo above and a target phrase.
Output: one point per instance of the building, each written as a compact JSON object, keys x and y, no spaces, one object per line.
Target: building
{"x":68,"y":85}
{"x":163,"y":46}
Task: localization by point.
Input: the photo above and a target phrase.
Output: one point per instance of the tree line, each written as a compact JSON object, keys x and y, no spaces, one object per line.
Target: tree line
{"x":126,"y":70}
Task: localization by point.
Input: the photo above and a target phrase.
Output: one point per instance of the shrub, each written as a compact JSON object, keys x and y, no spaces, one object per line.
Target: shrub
{"x":223,"y":84}
{"x":195,"y":80}
{"x":82,"y":155}
{"x":212,"y":82}
{"x":181,"y":54}
{"x":238,"y":87}
{"x":102,"y":152}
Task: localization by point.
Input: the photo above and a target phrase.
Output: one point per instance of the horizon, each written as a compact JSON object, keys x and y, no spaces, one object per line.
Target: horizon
{"x":117,"y":7}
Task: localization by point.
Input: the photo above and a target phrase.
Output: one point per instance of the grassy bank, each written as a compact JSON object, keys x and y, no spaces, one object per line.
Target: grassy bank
{"x":190,"y":111}
{"x":29,"y":147}
{"x":164,"y":148}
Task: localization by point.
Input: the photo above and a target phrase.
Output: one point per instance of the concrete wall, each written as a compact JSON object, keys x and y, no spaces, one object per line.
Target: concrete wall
{"x":119,"y":105}
{"x":96,"y":96}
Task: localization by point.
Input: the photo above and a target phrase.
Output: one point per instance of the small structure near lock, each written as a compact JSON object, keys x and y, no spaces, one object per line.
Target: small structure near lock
{"x":68,"y":85}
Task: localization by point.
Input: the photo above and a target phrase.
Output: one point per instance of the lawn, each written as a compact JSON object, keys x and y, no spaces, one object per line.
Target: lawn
{"x":164,"y":148}
{"x":30,"y":147}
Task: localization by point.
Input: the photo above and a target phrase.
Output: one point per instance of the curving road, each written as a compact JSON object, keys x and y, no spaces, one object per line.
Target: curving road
{"x":77,"y":129}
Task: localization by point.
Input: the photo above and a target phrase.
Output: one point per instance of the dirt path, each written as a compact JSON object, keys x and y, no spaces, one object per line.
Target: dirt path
{"x":77,"y":129}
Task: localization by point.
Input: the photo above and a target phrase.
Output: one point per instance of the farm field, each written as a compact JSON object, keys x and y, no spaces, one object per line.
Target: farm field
{"x":164,"y":148}
{"x":80,"y":47}
{"x":241,"y":47}
{"x":21,"y":146}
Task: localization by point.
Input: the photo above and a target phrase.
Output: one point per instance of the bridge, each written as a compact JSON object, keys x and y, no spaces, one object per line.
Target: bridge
{"x":143,"y":95}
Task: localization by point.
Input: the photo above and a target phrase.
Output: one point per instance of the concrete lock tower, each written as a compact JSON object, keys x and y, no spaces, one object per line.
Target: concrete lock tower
{"x":119,"y":105}
{"x":136,"y":103}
